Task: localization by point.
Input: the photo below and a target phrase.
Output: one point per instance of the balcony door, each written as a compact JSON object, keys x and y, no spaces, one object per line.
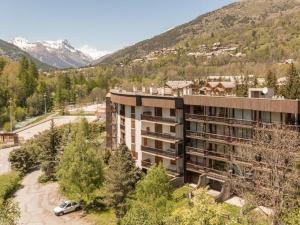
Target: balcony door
{"x":158,"y":112}
{"x":158,"y":145}
{"x":158,"y":128}
{"x":158,"y":160}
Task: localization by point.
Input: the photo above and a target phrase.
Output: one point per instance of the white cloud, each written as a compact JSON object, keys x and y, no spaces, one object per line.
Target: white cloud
{"x":93,"y":52}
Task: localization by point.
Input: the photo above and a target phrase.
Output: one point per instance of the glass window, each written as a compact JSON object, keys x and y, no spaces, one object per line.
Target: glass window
{"x":172,"y":112}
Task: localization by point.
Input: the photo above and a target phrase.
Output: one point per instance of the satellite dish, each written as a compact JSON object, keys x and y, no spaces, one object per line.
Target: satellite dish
{"x":265,"y":90}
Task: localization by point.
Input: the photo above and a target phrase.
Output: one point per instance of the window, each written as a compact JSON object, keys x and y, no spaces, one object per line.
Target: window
{"x":132,"y":110}
{"x":133,"y":139}
{"x":172,"y":146}
{"x":172,"y":129}
{"x":173,"y":162}
{"x":132,"y":123}
{"x":172,"y":112}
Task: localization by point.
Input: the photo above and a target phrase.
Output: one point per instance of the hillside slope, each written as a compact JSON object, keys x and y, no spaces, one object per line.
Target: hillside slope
{"x":14,"y":53}
{"x":262,"y":29}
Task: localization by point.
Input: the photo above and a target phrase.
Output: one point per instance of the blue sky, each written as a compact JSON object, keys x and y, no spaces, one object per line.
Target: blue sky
{"x":103,"y":24}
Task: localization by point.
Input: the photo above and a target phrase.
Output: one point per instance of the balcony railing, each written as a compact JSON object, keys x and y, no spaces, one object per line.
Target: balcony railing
{"x":122,"y":127}
{"x":171,"y":153}
{"x":211,"y":136}
{"x":251,"y":123}
{"x":195,"y":167}
{"x":191,"y":166}
{"x":160,"y":135}
{"x":147,"y":117}
{"x":148,"y":164}
{"x":193,"y":150}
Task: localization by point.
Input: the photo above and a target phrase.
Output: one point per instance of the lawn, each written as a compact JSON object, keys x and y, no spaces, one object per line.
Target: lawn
{"x":106,"y":217}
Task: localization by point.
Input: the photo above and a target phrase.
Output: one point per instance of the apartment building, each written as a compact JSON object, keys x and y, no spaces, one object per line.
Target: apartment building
{"x":195,"y":137}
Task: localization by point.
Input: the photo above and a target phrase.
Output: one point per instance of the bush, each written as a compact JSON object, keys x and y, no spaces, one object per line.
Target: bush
{"x":43,"y":179}
{"x":20,"y":114}
{"x":23,"y":159}
{"x":6,"y":127}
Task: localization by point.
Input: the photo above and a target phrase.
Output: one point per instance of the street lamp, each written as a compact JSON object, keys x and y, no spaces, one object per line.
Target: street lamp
{"x":10,"y":114}
{"x":45,"y":100}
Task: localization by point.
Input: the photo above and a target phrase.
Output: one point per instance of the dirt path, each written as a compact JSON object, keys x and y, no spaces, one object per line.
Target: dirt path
{"x":4,"y":163}
{"x":36,"y":202}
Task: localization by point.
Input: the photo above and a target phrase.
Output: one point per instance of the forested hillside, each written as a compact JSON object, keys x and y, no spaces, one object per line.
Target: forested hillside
{"x":24,"y":90}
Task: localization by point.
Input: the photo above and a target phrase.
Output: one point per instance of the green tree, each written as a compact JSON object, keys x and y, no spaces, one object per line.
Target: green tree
{"x":80,"y":169}
{"x":50,"y":144}
{"x":271,"y":80}
{"x":152,"y":201}
{"x":122,"y":175}
{"x":291,"y":89}
{"x":201,"y":210}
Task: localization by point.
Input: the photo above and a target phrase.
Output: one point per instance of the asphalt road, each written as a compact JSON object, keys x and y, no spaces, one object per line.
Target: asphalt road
{"x":36,"y":202}
{"x":58,"y":121}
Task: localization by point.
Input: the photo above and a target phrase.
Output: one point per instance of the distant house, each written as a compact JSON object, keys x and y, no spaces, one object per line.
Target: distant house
{"x":181,"y":87}
{"x":218,"y":88}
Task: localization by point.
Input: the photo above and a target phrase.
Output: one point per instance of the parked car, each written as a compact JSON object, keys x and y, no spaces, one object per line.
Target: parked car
{"x":66,"y":207}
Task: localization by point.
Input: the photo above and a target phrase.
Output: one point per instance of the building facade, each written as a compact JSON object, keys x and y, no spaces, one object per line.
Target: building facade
{"x":195,"y":137}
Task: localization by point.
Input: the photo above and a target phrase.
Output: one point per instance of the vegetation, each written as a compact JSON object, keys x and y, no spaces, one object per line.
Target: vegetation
{"x":81,"y":169}
{"x":121,"y":177}
{"x":9,"y":211}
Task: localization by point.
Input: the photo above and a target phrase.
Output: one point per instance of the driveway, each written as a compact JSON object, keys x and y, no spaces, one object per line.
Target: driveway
{"x":36,"y":202}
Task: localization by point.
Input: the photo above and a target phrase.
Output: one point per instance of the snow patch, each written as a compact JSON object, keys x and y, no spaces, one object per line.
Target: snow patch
{"x":93,"y":52}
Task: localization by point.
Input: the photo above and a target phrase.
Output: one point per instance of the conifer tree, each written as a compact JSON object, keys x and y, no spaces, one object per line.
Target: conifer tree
{"x":50,"y":144}
{"x":121,"y":179}
{"x":271,"y":81}
{"x":292,"y":90}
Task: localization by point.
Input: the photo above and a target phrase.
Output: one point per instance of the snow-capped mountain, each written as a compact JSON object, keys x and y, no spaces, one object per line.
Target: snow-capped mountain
{"x":60,"y":54}
{"x":93,"y":52}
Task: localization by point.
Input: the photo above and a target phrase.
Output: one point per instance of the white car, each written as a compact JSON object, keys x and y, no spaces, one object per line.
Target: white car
{"x":66,"y":207}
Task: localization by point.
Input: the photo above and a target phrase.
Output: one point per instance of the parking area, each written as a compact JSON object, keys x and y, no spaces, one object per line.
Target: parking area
{"x":36,"y":202}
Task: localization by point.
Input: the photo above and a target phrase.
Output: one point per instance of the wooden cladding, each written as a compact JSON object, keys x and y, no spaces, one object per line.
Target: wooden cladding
{"x":268,"y":105}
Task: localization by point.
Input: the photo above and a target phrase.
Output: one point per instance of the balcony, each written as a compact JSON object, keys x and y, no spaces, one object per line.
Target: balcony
{"x":242,"y":122}
{"x":147,"y":164}
{"x":122,"y":126}
{"x":195,"y":151}
{"x":194,"y":167}
{"x":169,"y":153}
{"x":161,"y":136}
{"x":212,"y":172}
{"x":159,"y":119}
{"x":219,"y":119}
{"x":217,"y":137}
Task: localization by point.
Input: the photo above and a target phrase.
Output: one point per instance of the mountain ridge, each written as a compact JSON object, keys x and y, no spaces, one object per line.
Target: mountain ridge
{"x":234,"y":17}
{"x":13,"y":52}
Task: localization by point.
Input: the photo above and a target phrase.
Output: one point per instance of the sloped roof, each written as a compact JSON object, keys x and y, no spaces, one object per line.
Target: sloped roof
{"x":179,"y":84}
{"x":228,"y":84}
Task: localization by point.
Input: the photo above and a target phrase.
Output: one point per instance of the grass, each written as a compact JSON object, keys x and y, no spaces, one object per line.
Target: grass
{"x":106,"y":217}
{"x":9,"y":183}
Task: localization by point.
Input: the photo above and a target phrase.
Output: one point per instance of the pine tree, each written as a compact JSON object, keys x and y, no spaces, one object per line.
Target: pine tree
{"x":121,"y":179}
{"x":50,"y":145}
{"x":292,"y":87}
{"x":271,"y":81}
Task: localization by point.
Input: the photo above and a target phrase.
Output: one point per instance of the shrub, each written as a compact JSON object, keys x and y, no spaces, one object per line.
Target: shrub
{"x":20,"y":114}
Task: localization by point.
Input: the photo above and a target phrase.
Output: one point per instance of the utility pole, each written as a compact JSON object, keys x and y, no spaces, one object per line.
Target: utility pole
{"x":10,"y":114}
{"x":45,"y":99}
